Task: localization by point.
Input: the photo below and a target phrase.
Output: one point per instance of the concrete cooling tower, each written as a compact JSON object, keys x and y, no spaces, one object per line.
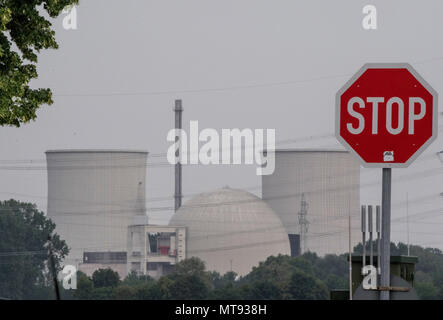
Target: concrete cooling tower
{"x":313,"y":192}
{"x":93,"y":195}
{"x":231,"y":229}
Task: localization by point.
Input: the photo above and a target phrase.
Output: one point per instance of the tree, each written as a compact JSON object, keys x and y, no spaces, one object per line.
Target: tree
{"x":124,"y":292}
{"x":277,"y":268}
{"x":105,"y":278}
{"x":219,"y":281}
{"x":426,"y":291}
{"x":331,"y":269}
{"x":23,"y":33}
{"x":266,"y":290}
{"x":151,"y":291}
{"x":231,"y":291}
{"x":305,"y":287}
{"x":189,"y":280}
{"x":85,"y":287}
{"x":133,"y":279}
{"x":24,"y":232}
{"x":191,"y":266}
{"x":285,"y":277}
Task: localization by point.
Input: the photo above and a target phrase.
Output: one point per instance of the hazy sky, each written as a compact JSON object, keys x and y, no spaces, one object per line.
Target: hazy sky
{"x":246,"y":64}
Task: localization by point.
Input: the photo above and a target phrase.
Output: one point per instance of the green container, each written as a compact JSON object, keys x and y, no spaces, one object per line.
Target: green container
{"x":401,"y":266}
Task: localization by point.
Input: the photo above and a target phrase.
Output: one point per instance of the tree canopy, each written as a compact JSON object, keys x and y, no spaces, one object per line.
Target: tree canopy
{"x":24,"y":232}
{"x":307,"y":277}
{"x":105,"y":278}
{"x":24,"y":32}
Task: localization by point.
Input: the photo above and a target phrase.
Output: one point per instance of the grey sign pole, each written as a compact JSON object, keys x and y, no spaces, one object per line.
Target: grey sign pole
{"x":385,"y":233}
{"x":370,"y":224}
{"x":363,"y":231}
{"x":378,"y":217}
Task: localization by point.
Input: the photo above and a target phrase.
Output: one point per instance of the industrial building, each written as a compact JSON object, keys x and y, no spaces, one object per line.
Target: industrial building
{"x":154,"y":250}
{"x":93,"y":196}
{"x":231,"y":230}
{"x":97,"y":200}
{"x":93,"y":261}
{"x":314,"y":191}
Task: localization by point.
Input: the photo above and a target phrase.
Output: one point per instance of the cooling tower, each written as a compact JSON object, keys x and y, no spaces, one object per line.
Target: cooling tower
{"x":313,"y":192}
{"x":93,"y":195}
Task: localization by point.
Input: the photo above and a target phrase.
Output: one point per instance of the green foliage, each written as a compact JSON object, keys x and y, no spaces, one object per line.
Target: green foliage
{"x":103,"y":293}
{"x":278,"y":268}
{"x":150,"y":291}
{"x":307,"y":277}
{"x":219,"y":281}
{"x":85,"y":287}
{"x":228,"y":292}
{"x":124,"y":292}
{"x":105,"y":278}
{"x":303,"y":286}
{"x":24,"y":32}
{"x":284,"y":277}
{"x":189,"y":280}
{"x":24,"y":232}
{"x":427,"y":291}
{"x":133,"y":279}
{"x":266,"y":290}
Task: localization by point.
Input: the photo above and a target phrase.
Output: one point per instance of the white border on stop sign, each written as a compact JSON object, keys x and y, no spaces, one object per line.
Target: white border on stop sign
{"x":422,"y":82}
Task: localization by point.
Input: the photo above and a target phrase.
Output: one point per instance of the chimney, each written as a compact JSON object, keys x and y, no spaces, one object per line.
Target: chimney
{"x":178,"y":167}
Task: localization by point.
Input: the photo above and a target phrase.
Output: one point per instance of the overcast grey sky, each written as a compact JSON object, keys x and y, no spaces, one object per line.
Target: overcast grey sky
{"x":247,"y":64}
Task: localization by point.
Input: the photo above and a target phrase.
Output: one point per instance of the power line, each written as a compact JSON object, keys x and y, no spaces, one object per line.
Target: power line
{"x":222,"y":89}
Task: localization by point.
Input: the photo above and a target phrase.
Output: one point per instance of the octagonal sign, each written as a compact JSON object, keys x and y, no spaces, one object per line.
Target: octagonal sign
{"x":386,"y":114}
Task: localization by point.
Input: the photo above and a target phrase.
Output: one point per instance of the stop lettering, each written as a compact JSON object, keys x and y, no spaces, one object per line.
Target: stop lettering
{"x":386,"y":114}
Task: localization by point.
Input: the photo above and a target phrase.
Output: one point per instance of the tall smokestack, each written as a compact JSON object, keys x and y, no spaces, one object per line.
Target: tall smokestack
{"x":178,"y":167}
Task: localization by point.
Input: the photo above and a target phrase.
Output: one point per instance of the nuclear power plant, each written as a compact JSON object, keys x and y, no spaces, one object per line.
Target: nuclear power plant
{"x":97,"y":200}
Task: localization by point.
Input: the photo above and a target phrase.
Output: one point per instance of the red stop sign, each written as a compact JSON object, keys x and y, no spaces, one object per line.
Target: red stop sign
{"x":386,"y":114}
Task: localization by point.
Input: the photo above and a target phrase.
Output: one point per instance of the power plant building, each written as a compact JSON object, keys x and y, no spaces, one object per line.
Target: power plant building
{"x":93,"y":196}
{"x":314,"y":191}
{"x":154,"y":250}
{"x":231,"y":230}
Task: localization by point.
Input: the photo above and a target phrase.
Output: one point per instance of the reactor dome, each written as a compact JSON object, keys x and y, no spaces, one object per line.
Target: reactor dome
{"x":231,"y":229}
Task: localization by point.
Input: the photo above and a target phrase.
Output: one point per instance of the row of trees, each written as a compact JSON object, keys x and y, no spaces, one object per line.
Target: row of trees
{"x":280,"y":277}
{"x":24,"y":272}
{"x":307,"y":277}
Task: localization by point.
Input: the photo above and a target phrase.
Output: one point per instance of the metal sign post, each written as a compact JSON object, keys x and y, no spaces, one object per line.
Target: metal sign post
{"x":386,"y":115}
{"x":377,"y":228}
{"x":385,"y":232}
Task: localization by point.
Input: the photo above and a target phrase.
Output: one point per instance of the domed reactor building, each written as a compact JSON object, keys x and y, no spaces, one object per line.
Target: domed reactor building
{"x":231,"y":230}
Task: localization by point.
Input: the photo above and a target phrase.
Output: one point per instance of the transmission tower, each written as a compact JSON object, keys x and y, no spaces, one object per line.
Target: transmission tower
{"x":304,"y":223}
